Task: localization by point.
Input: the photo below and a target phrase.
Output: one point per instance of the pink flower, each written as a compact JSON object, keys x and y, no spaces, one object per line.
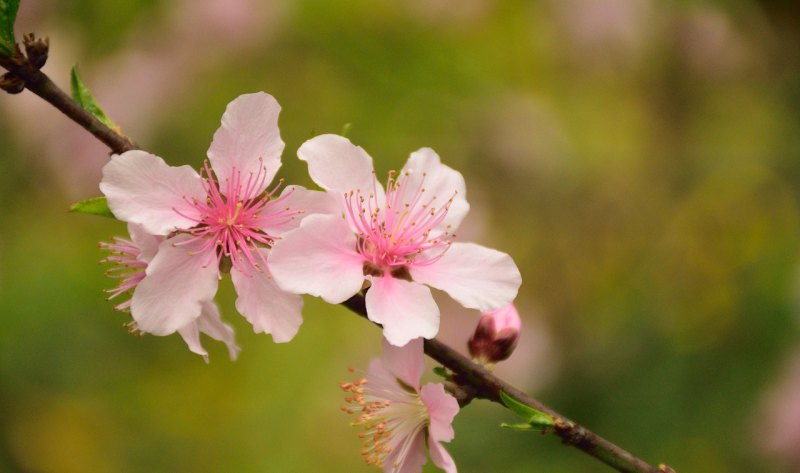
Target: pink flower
{"x":224,"y":220}
{"x":131,"y":258}
{"x":398,"y":416}
{"x":496,"y":335}
{"x":399,"y":241}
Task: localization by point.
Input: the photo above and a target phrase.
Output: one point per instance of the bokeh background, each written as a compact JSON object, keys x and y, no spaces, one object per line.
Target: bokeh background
{"x":639,"y":159}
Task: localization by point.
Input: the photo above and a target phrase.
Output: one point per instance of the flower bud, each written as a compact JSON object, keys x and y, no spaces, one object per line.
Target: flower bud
{"x":12,"y":83}
{"x":37,"y":49}
{"x":496,"y":335}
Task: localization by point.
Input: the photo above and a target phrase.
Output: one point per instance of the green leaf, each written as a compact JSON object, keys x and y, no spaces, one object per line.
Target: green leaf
{"x":534,"y":417}
{"x":516,"y":426}
{"x":82,"y":95}
{"x":93,"y":206}
{"x":440,"y":371}
{"x":8,"y":15}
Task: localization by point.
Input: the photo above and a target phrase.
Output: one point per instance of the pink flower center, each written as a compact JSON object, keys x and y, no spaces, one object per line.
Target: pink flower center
{"x":232,"y":222}
{"x":392,"y":234}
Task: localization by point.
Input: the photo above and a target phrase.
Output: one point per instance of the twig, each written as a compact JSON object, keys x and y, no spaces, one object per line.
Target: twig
{"x":483,"y":384}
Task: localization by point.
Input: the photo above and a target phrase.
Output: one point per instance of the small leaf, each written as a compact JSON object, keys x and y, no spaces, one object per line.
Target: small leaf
{"x":516,"y":426}
{"x":82,"y":95}
{"x":533,"y":417}
{"x":8,"y":15}
{"x":93,"y":206}
{"x":440,"y":371}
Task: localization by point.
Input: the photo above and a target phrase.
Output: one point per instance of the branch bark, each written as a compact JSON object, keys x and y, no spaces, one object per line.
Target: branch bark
{"x":474,"y":378}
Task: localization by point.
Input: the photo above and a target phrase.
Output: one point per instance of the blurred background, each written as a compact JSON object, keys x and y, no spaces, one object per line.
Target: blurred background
{"x":639,"y":159}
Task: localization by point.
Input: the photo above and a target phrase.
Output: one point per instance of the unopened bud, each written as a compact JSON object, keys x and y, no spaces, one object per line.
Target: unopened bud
{"x":496,"y":335}
{"x":37,"y":49}
{"x":12,"y":83}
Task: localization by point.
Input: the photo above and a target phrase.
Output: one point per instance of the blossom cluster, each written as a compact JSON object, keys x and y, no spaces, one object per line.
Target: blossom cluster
{"x":393,"y":243}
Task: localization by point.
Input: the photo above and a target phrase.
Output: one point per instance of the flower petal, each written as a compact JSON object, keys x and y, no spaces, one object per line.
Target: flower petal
{"x":147,"y":243}
{"x":178,"y":282}
{"x":294,"y":204}
{"x":405,"y":309}
{"x":210,"y":323}
{"x":141,"y":188}
{"x":248,"y":141}
{"x":409,"y":457}
{"x":266,"y":306}
{"x":442,"y":409}
{"x":407,"y":362}
{"x":477,"y":277}
{"x":338,"y":165}
{"x":441,"y":457}
{"x":318,"y":258}
{"x":438,"y":180}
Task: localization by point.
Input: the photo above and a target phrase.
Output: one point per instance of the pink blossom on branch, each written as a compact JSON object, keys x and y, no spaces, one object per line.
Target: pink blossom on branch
{"x":399,"y":417}
{"x":130,"y":259}
{"x":399,"y":240}
{"x":223,"y":220}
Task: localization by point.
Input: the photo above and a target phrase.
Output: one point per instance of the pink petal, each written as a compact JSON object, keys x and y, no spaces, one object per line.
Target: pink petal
{"x":141,"y":188}
{"x":147,"y":243}
{"x":210,"y":323}
{"x":177,"y":284}
{"x":295,"y":199}
{"x":337,"y":165}
{"x":441,"y":181}
{"x":405,"y":309}
{"x":409,"y":459}
{"x":441,"y":457}
{"x":248,"y":141}
{"x":268,"y":308}
{"x":477,"y":277}
{"x":407,"y":362}
{"x":318,"y":258}
{"x":442,"y":409}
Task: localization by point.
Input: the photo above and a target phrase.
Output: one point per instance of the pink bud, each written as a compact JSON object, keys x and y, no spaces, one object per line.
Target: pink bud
{"x":496,"y":335}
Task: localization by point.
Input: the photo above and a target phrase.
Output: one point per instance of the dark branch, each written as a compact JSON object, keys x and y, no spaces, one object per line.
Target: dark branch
{"x":480,"y":383}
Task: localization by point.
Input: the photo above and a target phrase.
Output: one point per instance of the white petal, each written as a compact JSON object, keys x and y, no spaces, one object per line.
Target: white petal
{"x":318,"y":258}
{"x":177,"y":284}
{"x":337,"y":165}
{"x":141,"y":188}
{"x":300,"y":203}
{"x":248,"y":140}
{"x":147,"y":243}
{"x":405,"y":309}
{"x":477,"y":277}
{"x":210,"y":323}
{"x":439,"y":180}
{"x":268,"y":308}
{"x":407,"y":362}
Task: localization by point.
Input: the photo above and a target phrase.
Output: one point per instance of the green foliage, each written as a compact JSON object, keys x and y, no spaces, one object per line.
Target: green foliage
{"x":93,"y":206}
{"x":536,"y":419}
{"x":82,"y":95}
{"x":8,"y":15}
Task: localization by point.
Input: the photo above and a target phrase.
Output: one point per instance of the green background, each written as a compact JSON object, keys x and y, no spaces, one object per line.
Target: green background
{"x":640,"y":161}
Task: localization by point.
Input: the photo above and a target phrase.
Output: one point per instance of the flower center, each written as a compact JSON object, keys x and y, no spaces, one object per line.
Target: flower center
{"x":394,"y":233}
{"x":391,"y":418}
{"x":232,"y":223}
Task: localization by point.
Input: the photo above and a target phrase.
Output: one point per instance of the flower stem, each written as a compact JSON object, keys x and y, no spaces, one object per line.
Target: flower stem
{"x":482,"y":384}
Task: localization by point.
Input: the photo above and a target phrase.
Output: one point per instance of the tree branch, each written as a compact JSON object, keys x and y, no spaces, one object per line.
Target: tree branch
{"x":37,"y":82}
{"x":474,"y":378}
{"x":482,"y":384}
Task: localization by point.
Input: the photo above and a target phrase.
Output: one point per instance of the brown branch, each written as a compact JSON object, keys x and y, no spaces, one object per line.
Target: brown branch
{"x":475,"y":380}
{"x":480,"y":383}
{"x":37,"y":82}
